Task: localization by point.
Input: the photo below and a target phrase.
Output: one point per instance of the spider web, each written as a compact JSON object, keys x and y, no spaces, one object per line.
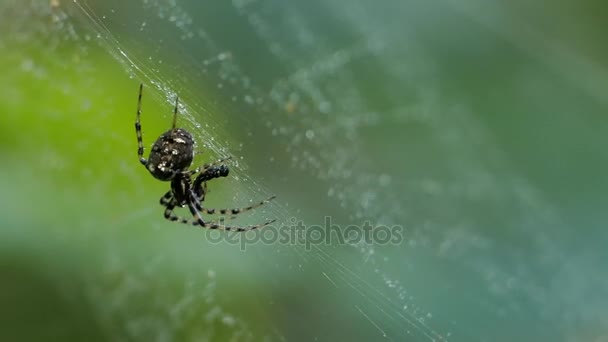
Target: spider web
{"x":353,"y":119}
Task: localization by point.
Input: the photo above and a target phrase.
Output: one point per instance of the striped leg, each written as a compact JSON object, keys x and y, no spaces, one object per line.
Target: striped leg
{"x":166,"y":199}
{"x":175,"y":112}
{"x":233,"y":211}
{"x":198,"y":220}
{"x":205,"y":167}
{"x":219,"y":225}
{"x":211,"y":173}
{"x":170,"y":215}
{"x":140,"y":144}
{"x":203,"y":192}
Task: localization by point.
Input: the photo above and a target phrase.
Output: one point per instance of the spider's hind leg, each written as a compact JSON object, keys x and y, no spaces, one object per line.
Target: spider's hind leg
{"x":193,"y":204}
{"x":198,"y":220}
{"x":233,"y":211}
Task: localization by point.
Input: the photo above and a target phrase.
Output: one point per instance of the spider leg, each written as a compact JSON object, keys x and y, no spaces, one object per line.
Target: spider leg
{"x":202,"y":194}
{"x":169,"y":215}
{"x":169,"y":201}
{"x":175,"y":112}
{"x":202,"y":199}
{"x":219,"y":225}
{"x":232,"y":211}
{"x":200,"y":191}
{"x":166,"y":199}
{"x":168,"y":196}
{"x":210,"y":173}
{"x":140,"y":143}
{"x":207,"y":166}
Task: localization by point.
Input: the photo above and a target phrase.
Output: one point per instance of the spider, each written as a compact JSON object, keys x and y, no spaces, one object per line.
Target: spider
{"x":169,"y":160}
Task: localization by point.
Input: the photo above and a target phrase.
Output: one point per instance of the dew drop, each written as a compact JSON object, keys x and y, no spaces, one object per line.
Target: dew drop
{"x":310,"y":134}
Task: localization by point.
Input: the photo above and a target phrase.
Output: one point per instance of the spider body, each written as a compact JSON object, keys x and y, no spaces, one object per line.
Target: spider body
{"x":171,"y":154}
{"x":181,"y":183}
{"x":170,"y":157}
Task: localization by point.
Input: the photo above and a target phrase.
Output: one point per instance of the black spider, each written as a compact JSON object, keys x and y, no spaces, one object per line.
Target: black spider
{"x":169,"y":160}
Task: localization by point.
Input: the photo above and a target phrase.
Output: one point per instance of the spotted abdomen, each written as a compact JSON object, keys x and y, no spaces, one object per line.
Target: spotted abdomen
{"x":171,"y":153}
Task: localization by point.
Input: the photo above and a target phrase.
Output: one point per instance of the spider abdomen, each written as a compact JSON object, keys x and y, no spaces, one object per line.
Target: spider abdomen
{"x":172,"y":152}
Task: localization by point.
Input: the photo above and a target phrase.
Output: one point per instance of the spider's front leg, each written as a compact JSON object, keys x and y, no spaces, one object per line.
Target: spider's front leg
{"x":208,"y":174}
{"x":207,"y":166}
{"x":140,"y":143}
{"x":204,"y":192}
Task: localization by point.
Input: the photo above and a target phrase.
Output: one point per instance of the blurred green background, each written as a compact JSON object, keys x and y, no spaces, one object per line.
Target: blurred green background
{"x":479,"y":127}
